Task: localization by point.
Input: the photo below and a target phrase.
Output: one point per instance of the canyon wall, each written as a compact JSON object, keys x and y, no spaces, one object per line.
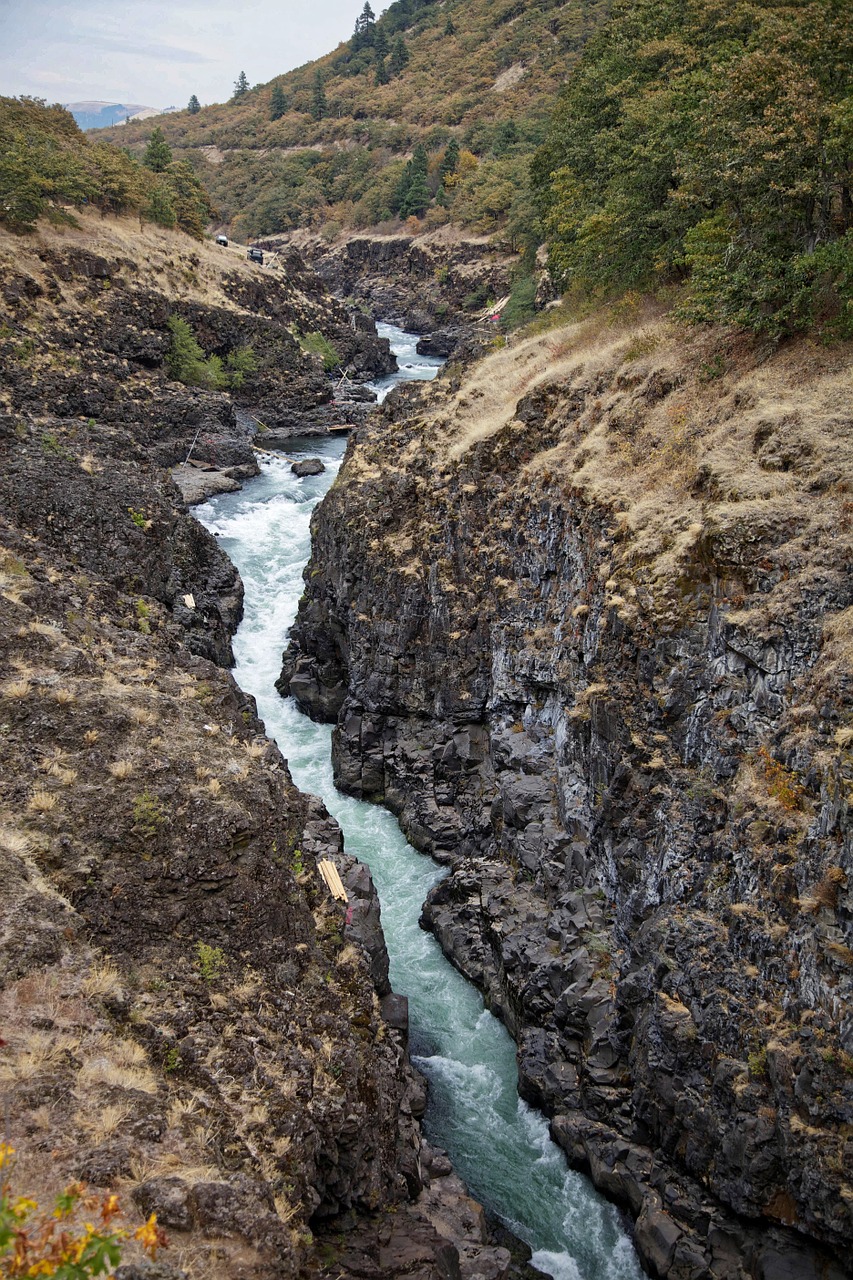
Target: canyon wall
{"x":437,"y":282}
{"x":582,"y":619}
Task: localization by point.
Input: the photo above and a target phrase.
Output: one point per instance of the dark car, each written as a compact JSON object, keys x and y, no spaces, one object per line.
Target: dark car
{"x":256,"y":255}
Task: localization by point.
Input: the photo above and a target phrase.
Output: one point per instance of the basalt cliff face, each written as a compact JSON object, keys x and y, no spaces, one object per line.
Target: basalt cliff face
{"x":583,"y":620}
{"x":436,"y":283}
{"x":187,"y":1017}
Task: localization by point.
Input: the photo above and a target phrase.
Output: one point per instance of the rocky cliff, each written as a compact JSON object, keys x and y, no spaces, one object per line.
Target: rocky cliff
{"x":582,"y":618}
{"x":435,"y":283}
{"x":84,"y":333}
{"x":188,"y":1018}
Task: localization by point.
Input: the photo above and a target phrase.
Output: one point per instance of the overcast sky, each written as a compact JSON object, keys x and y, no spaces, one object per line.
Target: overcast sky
{"x":158,"y":53}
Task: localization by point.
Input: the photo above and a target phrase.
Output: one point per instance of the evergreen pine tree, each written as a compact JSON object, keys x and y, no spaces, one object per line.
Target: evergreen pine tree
{"x":193,"y":106}
{"x":318,"y":97}
{"x":380,"y":43}
{"x":418,"y":198}
{"x":160,"y":208}
{"x":241,"y":87}
{"x":278,"y":102}
{"x":420,"y":161}
{"x":449,"y":28}
{"x":188,"y":197}
{"x":362,"y":37}
{"x":158,"y":153}
{"x":399,"y":197}
{"x":412,"y":195}
{"x":399,"y":56}
{"x":382,"y":76}
{"x":450,"y":163}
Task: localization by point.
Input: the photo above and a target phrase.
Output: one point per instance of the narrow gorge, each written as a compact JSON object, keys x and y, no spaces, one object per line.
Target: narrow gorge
{"x":426,"y":642}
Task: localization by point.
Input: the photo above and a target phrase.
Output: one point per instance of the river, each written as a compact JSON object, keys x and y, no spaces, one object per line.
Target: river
{"x":499,"y":1145}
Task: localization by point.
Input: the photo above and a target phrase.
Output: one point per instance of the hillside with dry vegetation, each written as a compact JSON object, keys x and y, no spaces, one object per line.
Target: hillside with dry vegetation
{"x":483,"y":77}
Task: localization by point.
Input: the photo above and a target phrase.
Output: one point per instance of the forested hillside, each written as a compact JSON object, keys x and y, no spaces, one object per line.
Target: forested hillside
{"x":47,"y":164}
{"x":712,"y":141}
{"x":329,"y":143}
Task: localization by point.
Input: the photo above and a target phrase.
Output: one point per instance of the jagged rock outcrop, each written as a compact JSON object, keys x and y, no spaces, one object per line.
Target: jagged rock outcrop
{"x":433,"y":283}
{"x":84,"y":333}
{"x":582,"y":620}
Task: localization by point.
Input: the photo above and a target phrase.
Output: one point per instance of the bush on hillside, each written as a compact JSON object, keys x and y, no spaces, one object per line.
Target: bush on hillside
{"x":187,"y":362}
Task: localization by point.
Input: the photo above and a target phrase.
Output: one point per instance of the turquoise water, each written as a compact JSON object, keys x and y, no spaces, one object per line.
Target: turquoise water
{"x":498,"y":1144}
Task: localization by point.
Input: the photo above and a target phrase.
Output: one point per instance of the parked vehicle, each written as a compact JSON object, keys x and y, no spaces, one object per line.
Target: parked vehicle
{"x":255,"y":255}
{"x":223,"y":240}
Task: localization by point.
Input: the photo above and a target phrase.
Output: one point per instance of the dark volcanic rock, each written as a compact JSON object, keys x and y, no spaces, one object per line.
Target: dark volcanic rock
{"x":308,"y":467}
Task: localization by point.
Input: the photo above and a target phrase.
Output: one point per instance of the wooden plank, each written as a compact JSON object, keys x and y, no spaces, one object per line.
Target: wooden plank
{"x":330,"y":874}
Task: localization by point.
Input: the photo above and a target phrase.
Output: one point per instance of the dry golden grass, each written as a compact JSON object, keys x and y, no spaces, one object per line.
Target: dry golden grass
{"x":107,"y":1071}
{"x":103,"y":979}
{"x":90,"y":737}
{"x":183,"y":1112}
{"x":16,"y":689}
{"x":121,"y":769}
{"x":172,"y":1164}
{"x":159,"y":257}
{"x":100,"y":1123}
{"x":15,"y":842}
{"x":35,"y":1051}
{"x":48,"y":631}
{"x":143,"y":715}
{"x":42,"y":801}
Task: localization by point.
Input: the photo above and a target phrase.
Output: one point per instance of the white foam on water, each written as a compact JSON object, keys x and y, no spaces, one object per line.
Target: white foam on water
{"x":499,"y":1145}
{"x":410,"y":366}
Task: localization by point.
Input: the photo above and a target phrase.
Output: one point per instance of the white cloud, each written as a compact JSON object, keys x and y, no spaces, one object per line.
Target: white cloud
{"x":153,"y":52}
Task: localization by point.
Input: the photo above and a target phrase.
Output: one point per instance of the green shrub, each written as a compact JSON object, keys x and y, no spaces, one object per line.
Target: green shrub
{"x":316,"y":345}
{"x":187,"y":362}
{"x":240,"y":365}
{"x":148,"y":815}
{"x":210,"y":961}
{"x":522,"y":303}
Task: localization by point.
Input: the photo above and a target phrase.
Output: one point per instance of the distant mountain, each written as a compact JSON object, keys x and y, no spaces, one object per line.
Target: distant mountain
{"x":102,"y":115}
